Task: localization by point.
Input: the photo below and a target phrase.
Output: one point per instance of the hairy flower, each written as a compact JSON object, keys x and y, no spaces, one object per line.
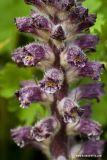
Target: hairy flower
{"x":87,"y":42}
{"x":21,"y":136}
{"x":53,"y":79}
{"x":29,"y":93}
{"x":69,"y":110}
{"x":41,"y":22}
{"x":88,"y":22}
{"x":74,"y":57}
{"x":95,"y":90}
{"x":33,"y":54}
{"x":25,"y":24}
{"x":77,"y":14}
{"x":90,"y":128}
{"x":44,"y":129}
{"x":92,"y":69}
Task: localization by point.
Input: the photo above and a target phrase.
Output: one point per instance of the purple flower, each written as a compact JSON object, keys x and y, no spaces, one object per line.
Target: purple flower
{"x":69,"y":110}
{"x":29,"y":55}
{"x":90,"y":128}
{"x":88,"y":22}
{"x":44,"y":129}
{"x":21,"y":136}
{"x":88,"y":91}
{"x":77,"y":14}
{"x":29,"y":93}
{"x":58,"y":33}
{"x":76,"y":57}
{"x":41,"y":22}
{"x":87,"y":42}
{"x":25,"y":24}
{"x":92,"y":69}
{"x":32,"y":55}
{"x":53,"y":80}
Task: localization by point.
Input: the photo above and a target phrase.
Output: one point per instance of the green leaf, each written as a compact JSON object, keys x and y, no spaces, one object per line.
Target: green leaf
{"x":9,"y":10}
{"x":10,"y":77}
{"x":32,"y":114}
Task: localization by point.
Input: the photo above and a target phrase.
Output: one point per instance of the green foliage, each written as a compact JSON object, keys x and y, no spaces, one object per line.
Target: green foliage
{"x":10,"y":77}
{"x":9,"y":10}
{"x":33,"y":114}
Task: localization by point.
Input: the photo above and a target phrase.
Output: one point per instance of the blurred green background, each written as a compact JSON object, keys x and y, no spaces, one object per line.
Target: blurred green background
{"x":11,"y":115}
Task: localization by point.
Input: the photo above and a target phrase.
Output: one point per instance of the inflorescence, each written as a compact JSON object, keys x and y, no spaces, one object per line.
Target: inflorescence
{"x":62,"y":29}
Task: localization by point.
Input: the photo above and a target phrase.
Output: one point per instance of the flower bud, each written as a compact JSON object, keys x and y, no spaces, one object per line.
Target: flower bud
{"x":78,"y":14}
{"x":58,"y":33}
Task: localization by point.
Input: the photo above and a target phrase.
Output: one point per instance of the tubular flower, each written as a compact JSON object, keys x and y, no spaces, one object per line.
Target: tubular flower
{"x":69,"y":110}
{"x":74,"y":56}
{"x":53,"y":79}
{"x":32,"y":55}
{"x":90,"y":128}
{"x":44,"y":129}
{"x":61,"y":53}
{"x":29,"y":93}
{"x":21,"y":136}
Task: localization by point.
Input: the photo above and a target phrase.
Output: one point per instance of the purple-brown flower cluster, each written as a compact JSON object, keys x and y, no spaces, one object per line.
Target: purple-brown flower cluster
{"x":62,"y":28}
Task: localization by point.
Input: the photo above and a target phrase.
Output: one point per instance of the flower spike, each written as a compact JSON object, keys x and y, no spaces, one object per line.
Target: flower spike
{"x":62,"y":28}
